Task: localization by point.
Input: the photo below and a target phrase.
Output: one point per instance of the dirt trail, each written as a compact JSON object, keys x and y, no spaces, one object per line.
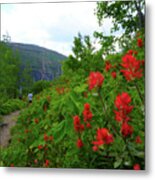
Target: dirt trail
{"x":10,"y":121}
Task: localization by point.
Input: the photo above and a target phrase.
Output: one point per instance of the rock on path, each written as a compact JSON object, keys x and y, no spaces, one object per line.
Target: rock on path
{"x":10,"y":120}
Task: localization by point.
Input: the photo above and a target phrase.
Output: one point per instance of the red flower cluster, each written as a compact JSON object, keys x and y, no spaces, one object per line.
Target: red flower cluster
{"x":79,"y":143}
{"x":87,"y":114}
{"x":60,"y":90}
{"x":126,"y":129}
{"x":113,"y":74}
{"x":139,"y":42}
{"x":122,"y":104}
{"x":40,"y":147}
{"x":77,"y":124}
{"x":78,"y":127}
{"x":138,"y":140}
{"x":132,"y":67}
{"x":108,"y":66}
{"x":46,"y":164}
{"x":132,"y":52}
{"x":136,"y":167}
{"x":103,"y":137}
{"x":95,"y":80}
{"x":48,"y":138}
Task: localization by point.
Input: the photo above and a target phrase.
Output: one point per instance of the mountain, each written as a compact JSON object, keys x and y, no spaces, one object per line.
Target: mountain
{"x":45,"y":63}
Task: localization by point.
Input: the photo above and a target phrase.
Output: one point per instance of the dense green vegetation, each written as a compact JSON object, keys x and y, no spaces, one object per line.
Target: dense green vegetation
{"x":93,"y":115}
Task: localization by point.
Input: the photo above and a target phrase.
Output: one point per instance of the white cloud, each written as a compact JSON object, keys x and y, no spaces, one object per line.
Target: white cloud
{"x":52,"y":25}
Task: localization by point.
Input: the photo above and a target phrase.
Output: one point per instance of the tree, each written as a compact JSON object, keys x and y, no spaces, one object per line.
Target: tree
{"x":126,"y":15}
{"x":9,"y":71}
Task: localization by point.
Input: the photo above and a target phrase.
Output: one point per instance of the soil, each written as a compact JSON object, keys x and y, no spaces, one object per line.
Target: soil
{"x":10,"y":121}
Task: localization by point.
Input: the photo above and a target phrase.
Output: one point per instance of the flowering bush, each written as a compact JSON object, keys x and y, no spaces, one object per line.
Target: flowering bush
{"x":93,"y":118}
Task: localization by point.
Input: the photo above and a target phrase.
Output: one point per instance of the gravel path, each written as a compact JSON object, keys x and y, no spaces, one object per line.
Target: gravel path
{"x":10,"y":120}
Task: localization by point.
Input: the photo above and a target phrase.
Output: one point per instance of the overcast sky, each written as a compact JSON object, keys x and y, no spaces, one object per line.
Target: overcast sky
{"x":51,"y":25}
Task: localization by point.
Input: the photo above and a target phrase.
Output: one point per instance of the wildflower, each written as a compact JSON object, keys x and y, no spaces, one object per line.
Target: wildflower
{"x":36,"y":120}
{"x":95,"y":80}
{"x":36,"y":161}
{"x":122,"y":102}
{"x":132,"y":52}
{"x":88,"y":125}
{"x":40,"y":147}
{"x":131,"y":67}
{"x":103,"y":137}
{"x":51,"y":138}
{"x":113,"y":74}
{"x":138,"y":140}
{"x":108,"y":66}
{"x":121,"y":116}
{"x":77,"y":125}
{"x":87,"y":114}
{"x":139,"y":42}
{"x":136,"y":167}
{"x":126,"y":129}
{"x":46,"y":163}
{"x":12,"y":165}
{"x":79,"y":143}
{"x":95,"y":148}
{"x":46,"y":138}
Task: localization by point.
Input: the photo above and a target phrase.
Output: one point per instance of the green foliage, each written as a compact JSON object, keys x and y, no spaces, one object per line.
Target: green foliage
{"x":126,"y":15}
{"x":40,"y":86}
{"x":11,"y":105}
{"x":9,"y":69}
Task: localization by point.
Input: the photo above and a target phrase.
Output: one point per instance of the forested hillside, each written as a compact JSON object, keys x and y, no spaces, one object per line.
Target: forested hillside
{"x":45,"y":64}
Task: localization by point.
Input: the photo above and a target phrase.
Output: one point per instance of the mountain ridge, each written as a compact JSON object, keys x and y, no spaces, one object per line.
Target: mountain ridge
{"x":45,"y":63}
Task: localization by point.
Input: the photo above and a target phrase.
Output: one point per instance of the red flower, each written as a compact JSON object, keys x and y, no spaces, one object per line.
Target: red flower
{"x":36,"y":120}
{"x":122,"y":102}
{"x":138,"y":140}
{"x":51,"y":138}
{"x":132,"y":52}
{"x":103,"y":137}
{"x":108,"y":66}
{"x":36,"y":161}
{"x":126,"y":129}
{"x":95,"y":80}
{"x":95,"y":148}
{"x":139,"y":42}
{"x":136,"y":167}
{"x":113,"y":74}
{"x":77,"y":125}
{"x":40,"y":147}
{"x":88,"y":125}
{"x":87,"y":114}
{"x":86,"y":106}
{"x":47,"y":163}
{"x":121,"y":116}
{"x":46,"y":138}
{"x":12,"y":165}
{"x":79,"y":143}
{"x":132,"y":67}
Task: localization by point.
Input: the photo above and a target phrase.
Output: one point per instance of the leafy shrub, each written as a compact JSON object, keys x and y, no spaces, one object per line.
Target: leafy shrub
{"x":11,"y":105}
{"x":40,"y":86}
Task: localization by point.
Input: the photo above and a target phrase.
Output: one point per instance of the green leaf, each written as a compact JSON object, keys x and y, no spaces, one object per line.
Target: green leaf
{"x":117,"y":163}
